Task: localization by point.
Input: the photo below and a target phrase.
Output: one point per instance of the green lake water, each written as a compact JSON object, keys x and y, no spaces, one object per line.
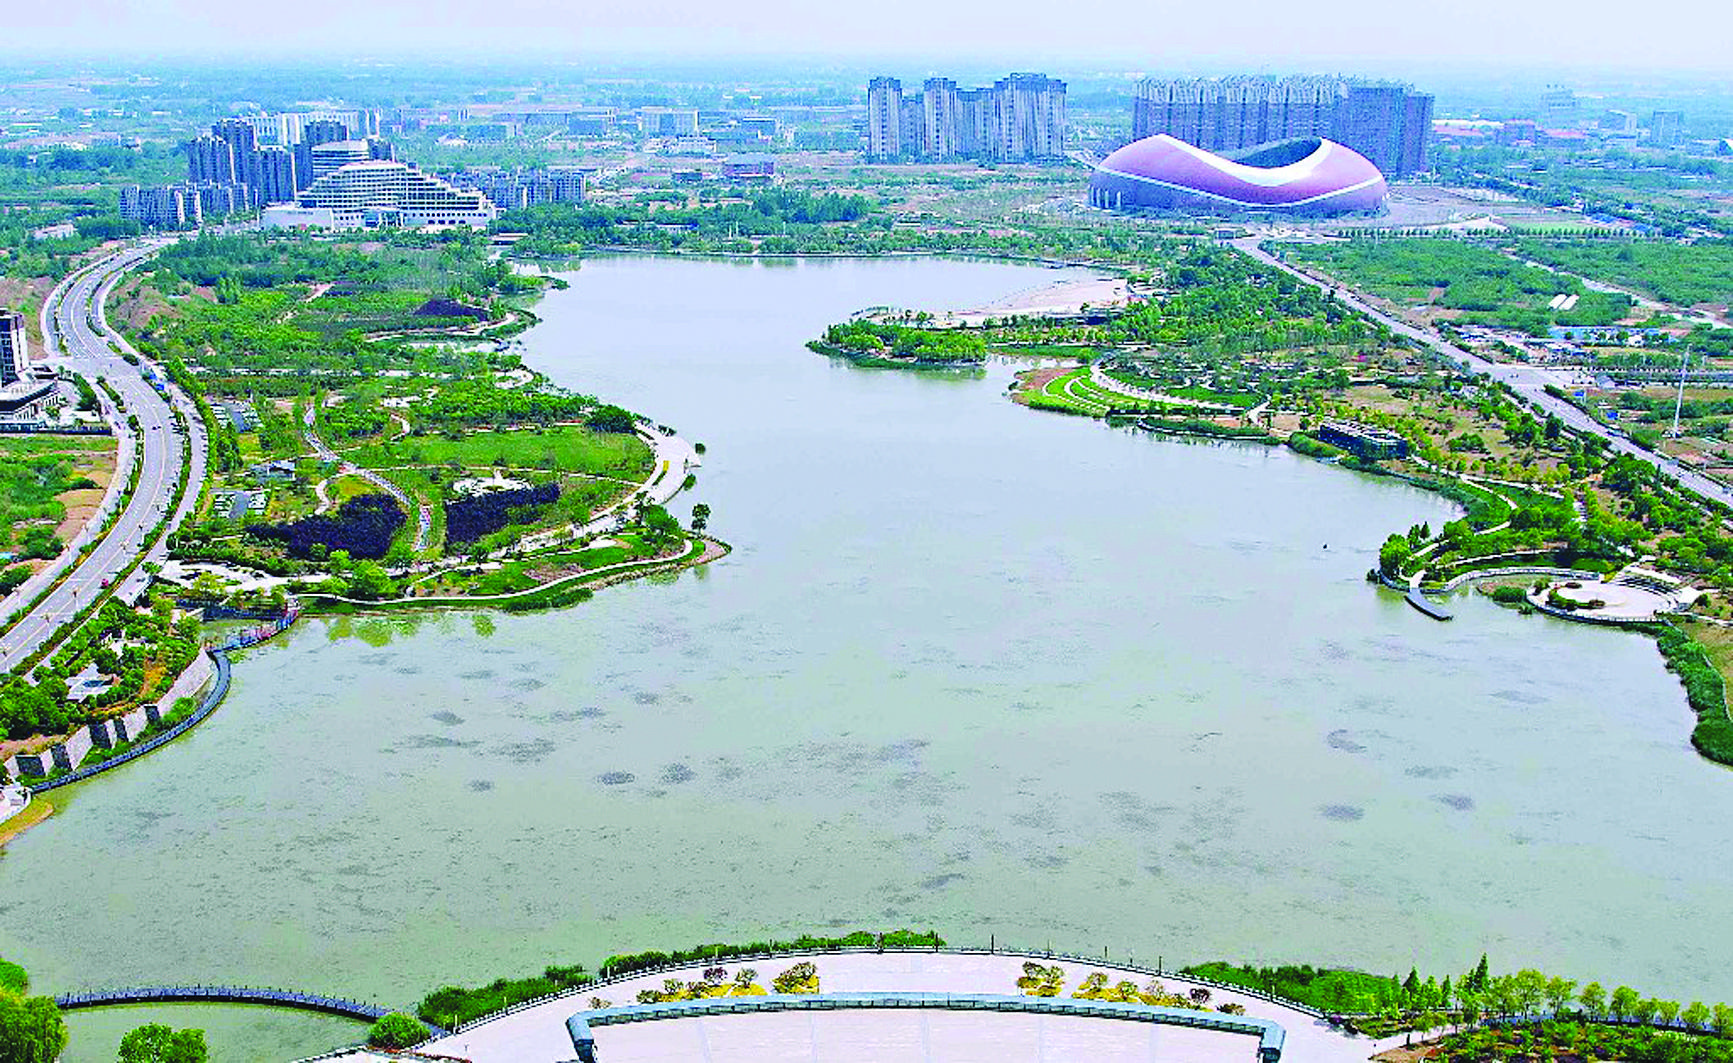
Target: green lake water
{"x":970,"y":667}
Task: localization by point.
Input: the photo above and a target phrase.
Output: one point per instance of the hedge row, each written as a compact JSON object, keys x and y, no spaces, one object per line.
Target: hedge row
{"x":451,"y":1006}
{"x":615,"y":966}
{"x":1704,"y":689}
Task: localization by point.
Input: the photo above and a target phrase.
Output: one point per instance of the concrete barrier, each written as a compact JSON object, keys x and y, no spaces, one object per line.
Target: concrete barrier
{"x":1270,"y":1034}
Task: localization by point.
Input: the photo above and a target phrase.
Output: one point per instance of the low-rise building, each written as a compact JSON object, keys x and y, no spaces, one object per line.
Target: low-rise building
{"x":1362,"y":440}
{"x":749,"y":168}
{"x":668,"y":121}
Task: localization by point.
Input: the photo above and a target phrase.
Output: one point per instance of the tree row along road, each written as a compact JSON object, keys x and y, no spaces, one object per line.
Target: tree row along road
{"x":76,"y":324}
{"x":1527,"y":381}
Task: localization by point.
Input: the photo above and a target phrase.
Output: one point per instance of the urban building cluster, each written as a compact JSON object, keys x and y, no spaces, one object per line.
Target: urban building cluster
{"x":251,"y":162}
{"x":523,"y":187}
{"x":23,"y":395}
{"x":1560,"y":111}
{"x":1561,"y":127}
{"x":1018,"y":118}
{"x":1388,"y":123}
{"x":333,"y":169}
{"x":691,"y":126}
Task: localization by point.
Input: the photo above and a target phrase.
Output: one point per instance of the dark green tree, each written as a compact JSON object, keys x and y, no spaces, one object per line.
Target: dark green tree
{"x":396,"y":1030}
{"x":31,"y":1029}
{"x":157,"y":1043}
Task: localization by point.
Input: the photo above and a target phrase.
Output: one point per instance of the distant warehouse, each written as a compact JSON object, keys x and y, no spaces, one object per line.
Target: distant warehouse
{"x":1363,"y":440}
{"x":749,"y":168}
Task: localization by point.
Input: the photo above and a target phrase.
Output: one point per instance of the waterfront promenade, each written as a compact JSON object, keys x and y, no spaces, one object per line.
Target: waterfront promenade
{"x":538,"y":1032}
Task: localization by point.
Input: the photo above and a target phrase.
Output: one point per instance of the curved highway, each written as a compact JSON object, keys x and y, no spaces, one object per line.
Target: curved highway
{"x":1526,"y":380}
{"x":75,"y":323}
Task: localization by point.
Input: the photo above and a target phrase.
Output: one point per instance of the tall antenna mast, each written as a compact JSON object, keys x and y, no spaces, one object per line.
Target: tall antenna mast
{"x":1679,"y":401}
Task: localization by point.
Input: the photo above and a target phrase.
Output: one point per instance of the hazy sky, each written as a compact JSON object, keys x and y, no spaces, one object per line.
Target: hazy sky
{"x":1387,"y":35}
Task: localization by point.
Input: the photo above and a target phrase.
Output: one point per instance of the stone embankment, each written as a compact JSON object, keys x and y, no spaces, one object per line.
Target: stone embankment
{"x":67,"y":755}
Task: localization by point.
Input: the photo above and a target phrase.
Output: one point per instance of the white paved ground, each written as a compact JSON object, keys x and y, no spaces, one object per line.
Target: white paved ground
{"x":915,"y":1037}
{"x":538,"y":1034}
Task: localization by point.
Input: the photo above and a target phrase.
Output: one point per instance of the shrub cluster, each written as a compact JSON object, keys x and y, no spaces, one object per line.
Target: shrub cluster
{"x":396,"y":1030}
{"x":1581,"y":1040}
{"x":469,"y":519}
{"x":450,"y":1006}
{"x":364,"y":526}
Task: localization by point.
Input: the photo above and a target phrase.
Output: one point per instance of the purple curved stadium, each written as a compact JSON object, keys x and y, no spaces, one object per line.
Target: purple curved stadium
{"x":1307,"y":176}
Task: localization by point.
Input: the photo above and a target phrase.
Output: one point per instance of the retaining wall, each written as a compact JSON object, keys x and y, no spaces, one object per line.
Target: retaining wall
{"x":1271,"y":1036}
{"x":69,"y":753}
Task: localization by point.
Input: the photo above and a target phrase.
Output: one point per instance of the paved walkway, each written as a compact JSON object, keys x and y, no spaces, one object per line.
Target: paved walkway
{"x":13,"y":800}
{"x":538,"y":1034}
{"x":423,"y":517}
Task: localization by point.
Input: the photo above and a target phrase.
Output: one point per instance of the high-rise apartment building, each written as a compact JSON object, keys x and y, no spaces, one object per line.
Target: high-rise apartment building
{"x":1031,"y":113}
{"x":163,"y":207}
{"x":210,"y":159}
{"x":243,"y":144}
{"x":14,"y":348}
{"x":1558,"y":108}
{"x":1666,"y":128}
{"x":314,"y":133}
{"x":274,"y":155}
{"x":884,"y":119}
{"x":273,"y":175}
{"x":1416,"y":135}
{"x":220,"y":200}
{"x":1389,"y":124}
{"x":1019,"y":118}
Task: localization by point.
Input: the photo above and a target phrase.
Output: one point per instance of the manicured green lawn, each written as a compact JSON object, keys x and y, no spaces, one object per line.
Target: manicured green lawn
{"x":562,"y":448}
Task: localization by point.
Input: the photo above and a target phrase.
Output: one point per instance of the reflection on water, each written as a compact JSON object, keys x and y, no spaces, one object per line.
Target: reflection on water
{"x":969,"y":667}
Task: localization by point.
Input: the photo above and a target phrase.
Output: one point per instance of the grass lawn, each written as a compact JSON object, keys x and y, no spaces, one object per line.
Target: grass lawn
{"x":38,"y":811}
{"x":1717,"y":641}
{"x":562,"y":448}
{"x":344,"y":488}
{"x":43,"y":477}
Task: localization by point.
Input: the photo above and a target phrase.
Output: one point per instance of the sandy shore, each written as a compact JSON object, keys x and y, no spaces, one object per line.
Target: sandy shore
{"x":1063,"y":297}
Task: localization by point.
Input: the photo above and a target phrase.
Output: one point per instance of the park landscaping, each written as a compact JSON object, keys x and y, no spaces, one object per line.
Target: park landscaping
{"x":48,"y":486}
{"x":1462,"y":281}
{"x":368,"y":440}
{"x":1223,"y":348}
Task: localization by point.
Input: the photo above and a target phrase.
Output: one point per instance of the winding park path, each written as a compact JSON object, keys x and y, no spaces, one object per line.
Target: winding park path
{"x":423,"y":516}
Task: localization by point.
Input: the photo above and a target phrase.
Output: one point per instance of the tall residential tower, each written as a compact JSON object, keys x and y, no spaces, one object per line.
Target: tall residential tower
{"x":1019,"y":118}
{"x":1388,"y":123}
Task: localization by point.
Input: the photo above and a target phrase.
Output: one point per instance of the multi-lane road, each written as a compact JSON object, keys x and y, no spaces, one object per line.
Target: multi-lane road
{"x":77,"y":336}
{"x":1528,"y":381}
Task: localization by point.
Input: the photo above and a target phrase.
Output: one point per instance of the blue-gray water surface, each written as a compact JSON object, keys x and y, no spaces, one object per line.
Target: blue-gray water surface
{"x":970,"y":667}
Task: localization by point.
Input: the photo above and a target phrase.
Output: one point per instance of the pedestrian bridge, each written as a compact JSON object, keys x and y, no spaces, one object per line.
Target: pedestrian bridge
{"x":225,"y":994}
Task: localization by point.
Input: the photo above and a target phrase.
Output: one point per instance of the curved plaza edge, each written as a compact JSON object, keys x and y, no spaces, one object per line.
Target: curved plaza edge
{"x":864,"y":985}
